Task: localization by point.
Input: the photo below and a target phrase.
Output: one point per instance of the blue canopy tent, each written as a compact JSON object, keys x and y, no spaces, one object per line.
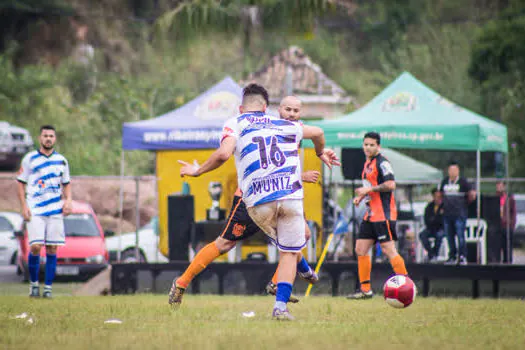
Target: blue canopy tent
{"x":196,"y":125}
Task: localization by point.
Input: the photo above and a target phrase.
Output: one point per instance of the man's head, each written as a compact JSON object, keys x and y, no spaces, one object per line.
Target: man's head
{"x":453,"y":170}
{"x":290,"y":108}
{"x":371,"y":144}
{"x":437,"y":196}
{"x":500,"y":187}
{"x":254,"y":99}
{"x":47,"y":137}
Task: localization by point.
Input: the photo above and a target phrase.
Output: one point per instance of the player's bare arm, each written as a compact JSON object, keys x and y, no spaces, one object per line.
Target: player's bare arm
{"x":218,"y":158}
{"x":316,"y":134}
{"x":21,"y":191}
{"x":66,"y":209}
{"x":387,"y":186}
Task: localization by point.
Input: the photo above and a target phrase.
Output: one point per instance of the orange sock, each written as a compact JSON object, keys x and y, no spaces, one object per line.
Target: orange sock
{"x":205,"y":256}
{"x":274,"y":278}
{"x":398,"y":264}
{"x":364,"y":266}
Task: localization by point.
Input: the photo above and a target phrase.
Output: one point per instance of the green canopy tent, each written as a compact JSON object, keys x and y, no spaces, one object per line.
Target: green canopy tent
{"x":408,"y":114}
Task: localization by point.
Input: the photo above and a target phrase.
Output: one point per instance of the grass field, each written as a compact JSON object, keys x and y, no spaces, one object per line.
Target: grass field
{"x":215,"y":322}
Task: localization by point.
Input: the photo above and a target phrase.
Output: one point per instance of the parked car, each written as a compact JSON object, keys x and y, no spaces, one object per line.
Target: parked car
{"x":148,"y":245}
{"x":14,"y":143}
{"x":84,"y":254}
{"x":9,"y":223}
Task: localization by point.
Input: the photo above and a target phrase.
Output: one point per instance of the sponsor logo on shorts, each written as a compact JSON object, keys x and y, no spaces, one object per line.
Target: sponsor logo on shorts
{"x":382,"y":237}
{"x":238,"y":230}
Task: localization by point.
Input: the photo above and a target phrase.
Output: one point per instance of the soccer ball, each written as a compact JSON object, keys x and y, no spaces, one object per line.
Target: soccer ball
{"x":399,"y":291}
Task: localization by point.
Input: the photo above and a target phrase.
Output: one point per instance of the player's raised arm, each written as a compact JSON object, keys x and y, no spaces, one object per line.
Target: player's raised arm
{"x":218,"y":158}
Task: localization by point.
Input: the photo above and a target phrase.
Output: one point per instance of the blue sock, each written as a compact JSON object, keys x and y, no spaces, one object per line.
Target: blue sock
{"x":303,"y":266}
{"x":33,"y":262}
{"x":284,"y":290}
{"x":51,"y":267}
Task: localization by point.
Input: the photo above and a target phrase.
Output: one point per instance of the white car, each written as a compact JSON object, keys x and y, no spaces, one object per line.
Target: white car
{"x":9,"y":223}
{"x":148,"y":245}
{"x":14,"y":143}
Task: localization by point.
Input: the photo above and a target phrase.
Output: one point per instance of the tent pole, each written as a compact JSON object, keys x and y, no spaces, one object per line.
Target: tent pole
{"x":157,"y":228}
{"x":478,"y":185}
{"x":120,"y":204}
{"x":507,"y":211}
{"x":137,"y":218}
{"x":478,"y":197}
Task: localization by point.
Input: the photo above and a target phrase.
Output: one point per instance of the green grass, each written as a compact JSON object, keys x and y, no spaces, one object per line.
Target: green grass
{"x":215,"y":322}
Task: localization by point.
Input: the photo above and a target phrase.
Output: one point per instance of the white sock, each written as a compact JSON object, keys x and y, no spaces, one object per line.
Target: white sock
{"x":281,"y":305}
{"x":34,"y":283}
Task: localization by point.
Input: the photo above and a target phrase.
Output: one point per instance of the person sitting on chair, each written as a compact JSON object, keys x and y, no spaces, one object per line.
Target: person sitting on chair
{"x":433,"y":225}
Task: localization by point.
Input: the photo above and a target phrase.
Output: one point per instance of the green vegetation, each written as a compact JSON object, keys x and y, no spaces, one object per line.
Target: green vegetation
{"x":153,"y":56}
{"x":215,"y":322}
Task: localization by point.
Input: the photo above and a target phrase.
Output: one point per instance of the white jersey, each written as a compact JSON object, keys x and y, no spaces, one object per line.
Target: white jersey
{"x":266,"y":157}
{"x":44,"y":177}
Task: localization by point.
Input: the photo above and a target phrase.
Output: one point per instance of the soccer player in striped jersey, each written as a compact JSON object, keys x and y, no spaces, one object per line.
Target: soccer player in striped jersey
{"x":44,"y":192}
{"x":239,"y":226}
{"x":269,"y":175}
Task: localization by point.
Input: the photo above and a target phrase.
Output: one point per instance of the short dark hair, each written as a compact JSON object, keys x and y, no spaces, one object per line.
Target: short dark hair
{"x":255,"y":89}
{"x":434,"y":190}
{"x":453,"y":162}
{"x":373,"y":135}
{"x":47,"y":127}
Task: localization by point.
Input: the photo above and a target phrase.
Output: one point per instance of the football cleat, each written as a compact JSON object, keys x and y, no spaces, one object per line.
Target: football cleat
{"x":310,"y":277}
{"x":271,"y":288}
{"x":47,"y":293}
{"x":34,"y":291}
{"x":175,"y":294}
{"x":282,"y":315}
{"x":360,"y":295}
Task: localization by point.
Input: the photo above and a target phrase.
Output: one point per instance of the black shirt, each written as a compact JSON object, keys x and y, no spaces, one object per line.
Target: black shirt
{"x":434,"y":217}
{"x":455,"y":199}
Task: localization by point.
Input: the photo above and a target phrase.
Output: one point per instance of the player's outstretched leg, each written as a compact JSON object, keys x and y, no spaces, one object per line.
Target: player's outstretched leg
{"x":205,"y":256}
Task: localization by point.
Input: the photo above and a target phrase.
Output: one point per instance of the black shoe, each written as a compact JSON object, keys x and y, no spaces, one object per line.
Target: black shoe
{"x":360,"y":295}
{"x":451,"y":261}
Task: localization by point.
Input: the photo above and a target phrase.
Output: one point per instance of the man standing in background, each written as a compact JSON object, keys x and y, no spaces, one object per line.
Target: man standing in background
{"x":506,"y":201}
{"x":457,"y":194}
{"x":43,"y":179}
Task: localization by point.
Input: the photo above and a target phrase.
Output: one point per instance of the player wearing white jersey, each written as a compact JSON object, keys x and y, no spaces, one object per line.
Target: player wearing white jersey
{"x":43,"y":179}
{"x":269,"y":173}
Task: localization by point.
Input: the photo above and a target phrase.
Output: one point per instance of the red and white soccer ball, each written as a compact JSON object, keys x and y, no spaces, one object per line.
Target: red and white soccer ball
{"x":400,"y":291}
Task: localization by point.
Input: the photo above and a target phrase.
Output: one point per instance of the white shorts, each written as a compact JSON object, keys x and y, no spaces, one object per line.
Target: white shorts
{"x":283,"y":223}
{"x":48,"y":230}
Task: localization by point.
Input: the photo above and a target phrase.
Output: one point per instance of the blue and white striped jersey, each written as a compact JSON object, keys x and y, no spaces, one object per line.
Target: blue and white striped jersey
{"x":266,"y":157}
{"x":45,"y":177}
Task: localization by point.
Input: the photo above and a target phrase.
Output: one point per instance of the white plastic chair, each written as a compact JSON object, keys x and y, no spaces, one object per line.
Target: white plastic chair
{"x":473,"y":234}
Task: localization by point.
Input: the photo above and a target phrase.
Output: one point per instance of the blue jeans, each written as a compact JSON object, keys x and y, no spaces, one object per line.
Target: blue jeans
{"x":455,"y":226}
{"x":438,"y":236}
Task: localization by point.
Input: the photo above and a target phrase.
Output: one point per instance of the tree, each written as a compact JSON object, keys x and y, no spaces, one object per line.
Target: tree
{"x":248,"y":17}
{"x":497,"y":64}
